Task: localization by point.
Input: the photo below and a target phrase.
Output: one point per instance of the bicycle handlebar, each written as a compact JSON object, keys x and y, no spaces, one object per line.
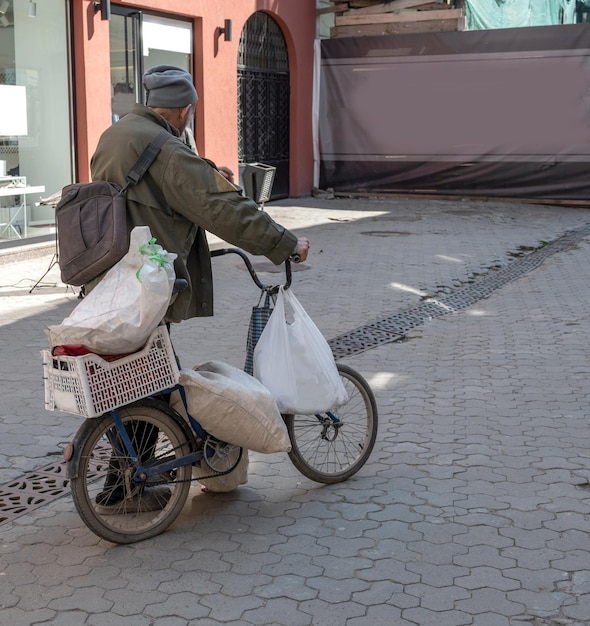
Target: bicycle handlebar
{"x":269,"y":288}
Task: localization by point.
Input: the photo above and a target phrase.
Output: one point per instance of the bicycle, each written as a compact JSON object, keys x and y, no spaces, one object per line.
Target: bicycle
{"x":145,"y":443}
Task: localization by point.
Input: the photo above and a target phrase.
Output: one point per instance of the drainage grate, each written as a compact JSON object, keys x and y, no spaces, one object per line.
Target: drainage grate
{"x":33,"y":490}
{"x":394,"y":327}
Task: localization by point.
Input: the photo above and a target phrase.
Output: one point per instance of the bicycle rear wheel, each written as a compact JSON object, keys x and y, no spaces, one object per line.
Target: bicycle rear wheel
{"x":332,"y":447}
{"x":128,"y":511}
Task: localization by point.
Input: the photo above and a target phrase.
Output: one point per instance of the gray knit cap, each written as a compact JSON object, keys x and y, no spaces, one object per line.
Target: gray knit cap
{"x":168,"y":87}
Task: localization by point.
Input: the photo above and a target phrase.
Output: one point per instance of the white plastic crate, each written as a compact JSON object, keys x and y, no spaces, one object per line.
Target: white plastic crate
{"x":90,"y":386}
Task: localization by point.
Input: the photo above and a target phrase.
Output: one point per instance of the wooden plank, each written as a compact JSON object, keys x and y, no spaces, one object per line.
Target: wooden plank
{"x":361,"y":3}
{"x":339,"y":8}
{"x":390,"y":7}
{"x":385,"y":18}
{"x":435,"y":6}
{"x":397,"y":28}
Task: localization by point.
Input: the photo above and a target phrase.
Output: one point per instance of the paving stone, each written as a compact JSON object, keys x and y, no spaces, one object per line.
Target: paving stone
{"x":206,"y":560}
{"x":440,"y":531}
{"x":425,"y":617}
{"x":337,"y":590}
{"x":111,"y":619}
{"x":293,"y":564}
{"x":32,"y":597}
{"x":69,"y":618}
{"x":580,"y":610}
{"x":493,"y":619}
{"x":479,"y":555}
{"x":486,"y":577}
{"x":184,"y":605}
{"x":535,"y":559}
{"x":384,"y":614}
{"x":378,"y":593}
{"x":330,"y":614}
{"x":569,"y":520}
{"x":489,"y":600}
{"x":574,"y":561}
{"x":246,"y":564}
{"x":568,"y":540}
{"x":282,"y":612}
{"x":85,"y":599}
{"x":225,"y":609}
{"x":537,"y":604}
{"x":437,"y":598}
{"x":388,"y":548}
{"x":537,"y":580}
{"x":528,"y":540}
{"x":337,"y":568}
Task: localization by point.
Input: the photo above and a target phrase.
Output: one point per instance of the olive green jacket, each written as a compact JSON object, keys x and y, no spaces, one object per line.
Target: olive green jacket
{"x":180,"y":197}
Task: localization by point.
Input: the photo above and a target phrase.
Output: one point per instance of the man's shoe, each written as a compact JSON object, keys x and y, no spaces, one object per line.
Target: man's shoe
{"x":145,"y":500}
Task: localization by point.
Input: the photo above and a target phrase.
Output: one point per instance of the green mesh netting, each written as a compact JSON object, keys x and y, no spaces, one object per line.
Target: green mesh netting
{"x":484,"y":14}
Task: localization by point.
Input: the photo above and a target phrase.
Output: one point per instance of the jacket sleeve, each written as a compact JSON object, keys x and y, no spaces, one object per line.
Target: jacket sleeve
{"x":193,"y":187}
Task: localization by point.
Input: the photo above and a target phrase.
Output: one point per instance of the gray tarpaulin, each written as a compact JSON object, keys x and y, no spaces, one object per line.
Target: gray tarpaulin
{"x":501,"y":113}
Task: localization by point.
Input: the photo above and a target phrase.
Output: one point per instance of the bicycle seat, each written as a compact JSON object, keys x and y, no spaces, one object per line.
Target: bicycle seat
{"x":180,"y":284}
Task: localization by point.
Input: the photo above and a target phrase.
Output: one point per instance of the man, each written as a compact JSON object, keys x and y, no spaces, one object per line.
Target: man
{"x":183,"y":195}
{"x":180,"y":197}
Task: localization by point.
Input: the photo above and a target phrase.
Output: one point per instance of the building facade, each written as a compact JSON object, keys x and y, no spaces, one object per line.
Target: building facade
{"x":70,"y":68}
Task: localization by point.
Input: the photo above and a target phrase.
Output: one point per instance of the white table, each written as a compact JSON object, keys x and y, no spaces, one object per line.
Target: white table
{"x":15,"y":187}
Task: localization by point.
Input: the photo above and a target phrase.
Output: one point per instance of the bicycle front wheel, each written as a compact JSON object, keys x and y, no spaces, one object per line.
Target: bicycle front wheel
{"x":110,"y":501}
{"x":332,"y":447}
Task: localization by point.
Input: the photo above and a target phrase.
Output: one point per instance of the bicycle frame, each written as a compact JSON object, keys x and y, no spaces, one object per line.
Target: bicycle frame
{"x":142,"y":472}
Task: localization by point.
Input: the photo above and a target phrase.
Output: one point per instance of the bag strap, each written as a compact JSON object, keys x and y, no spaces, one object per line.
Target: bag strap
{"x":146,"y":158}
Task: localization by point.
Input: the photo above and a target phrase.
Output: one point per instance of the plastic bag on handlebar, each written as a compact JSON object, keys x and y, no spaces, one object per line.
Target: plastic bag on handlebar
{"x":295,"y":363}
{"x":125,"y":307}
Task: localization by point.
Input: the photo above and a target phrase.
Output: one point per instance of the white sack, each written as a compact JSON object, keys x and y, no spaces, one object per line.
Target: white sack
{"x":234,"y":407}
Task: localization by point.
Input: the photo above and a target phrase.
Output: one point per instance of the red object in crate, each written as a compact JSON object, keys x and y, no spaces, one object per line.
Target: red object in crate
{"x":81,"y":350}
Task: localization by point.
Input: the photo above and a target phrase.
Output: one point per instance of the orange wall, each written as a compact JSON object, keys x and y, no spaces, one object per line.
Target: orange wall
{"x":215,"y":77}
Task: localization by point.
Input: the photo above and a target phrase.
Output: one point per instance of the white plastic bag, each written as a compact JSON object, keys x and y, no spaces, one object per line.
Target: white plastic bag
{"x":120,"y":313}
{"x":295,"y":363}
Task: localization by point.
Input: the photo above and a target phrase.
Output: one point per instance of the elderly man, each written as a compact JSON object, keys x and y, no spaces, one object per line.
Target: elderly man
{"x":183,"y":195}
{"x":180,"y":197}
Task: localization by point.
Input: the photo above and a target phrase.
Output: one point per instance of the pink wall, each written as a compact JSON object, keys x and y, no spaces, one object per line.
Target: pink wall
{"x":215,"y":77}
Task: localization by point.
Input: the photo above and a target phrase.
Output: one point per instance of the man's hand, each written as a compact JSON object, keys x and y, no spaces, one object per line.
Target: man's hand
{"x":226,"y":173}
{"x":301,"y":250}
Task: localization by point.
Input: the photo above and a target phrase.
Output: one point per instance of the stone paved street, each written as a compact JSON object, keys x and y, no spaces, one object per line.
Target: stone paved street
{"x":474,"y":508}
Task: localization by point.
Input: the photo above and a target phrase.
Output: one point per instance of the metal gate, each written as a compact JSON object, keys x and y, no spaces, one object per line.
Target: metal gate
{"x":263,"y":99}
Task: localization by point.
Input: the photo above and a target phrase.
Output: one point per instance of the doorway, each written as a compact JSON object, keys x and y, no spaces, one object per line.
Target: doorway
{"x":263,"y":99}
{"x":139,"y":41}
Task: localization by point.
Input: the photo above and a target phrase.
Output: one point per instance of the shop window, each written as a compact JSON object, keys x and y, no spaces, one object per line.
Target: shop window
{"x":35,"y":118}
